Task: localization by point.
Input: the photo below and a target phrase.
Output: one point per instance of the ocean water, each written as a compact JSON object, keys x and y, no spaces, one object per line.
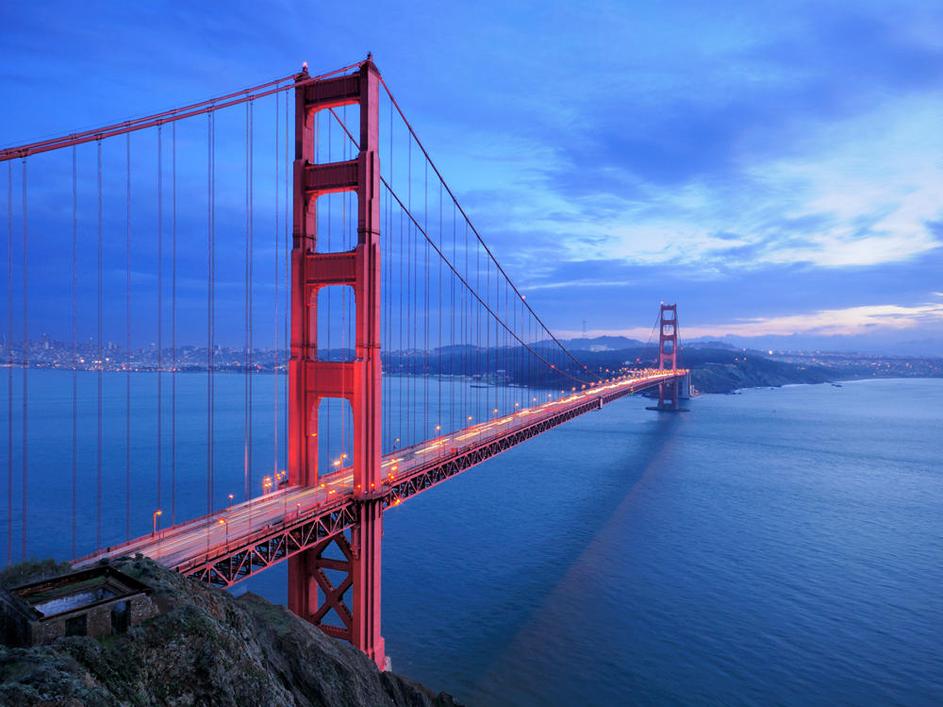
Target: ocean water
{"x":772,"y":547}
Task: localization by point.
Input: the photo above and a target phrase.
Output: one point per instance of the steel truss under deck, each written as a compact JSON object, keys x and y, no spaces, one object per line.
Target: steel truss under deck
{"x":316,"y":528}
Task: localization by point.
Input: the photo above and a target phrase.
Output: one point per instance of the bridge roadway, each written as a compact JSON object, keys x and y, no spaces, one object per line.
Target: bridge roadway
{"x":233,"y":543}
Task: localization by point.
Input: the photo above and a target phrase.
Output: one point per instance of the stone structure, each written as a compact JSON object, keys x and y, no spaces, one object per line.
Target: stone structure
{"x":96,"y":602}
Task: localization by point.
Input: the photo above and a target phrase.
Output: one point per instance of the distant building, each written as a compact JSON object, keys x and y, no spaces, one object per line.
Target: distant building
{"x":96,"y":602}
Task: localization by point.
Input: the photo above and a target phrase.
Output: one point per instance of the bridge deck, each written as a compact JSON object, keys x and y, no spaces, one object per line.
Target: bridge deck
{"x":235,"y":542}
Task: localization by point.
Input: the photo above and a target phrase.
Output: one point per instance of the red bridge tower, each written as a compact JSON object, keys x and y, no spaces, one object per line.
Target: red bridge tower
{"x":668,"y":393}
{"x":311,"y":379}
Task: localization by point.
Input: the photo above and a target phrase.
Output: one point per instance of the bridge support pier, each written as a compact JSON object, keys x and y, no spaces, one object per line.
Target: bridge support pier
{"x":669,"y":394}
{"x":366,"y":563}
{"x":355,"y":571}
{"x":311,"y":379}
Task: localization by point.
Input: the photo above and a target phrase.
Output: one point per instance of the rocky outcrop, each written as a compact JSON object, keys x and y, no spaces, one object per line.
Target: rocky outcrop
{"x":205,"y":648}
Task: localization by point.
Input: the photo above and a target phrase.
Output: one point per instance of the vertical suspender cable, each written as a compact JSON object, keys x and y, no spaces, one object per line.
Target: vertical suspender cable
{"x":245,"y":331}
{"x":9,"y":344}
{"x":75,"y":374}
{"x":276,"y":274}
{"x":452,"y":353}
{"x":329,"y":295}
{"x":425,"y":294}
{"x":26,"y":360}
{"x":439,"y":420}
{"x":249,"y":312}
{"x":173,"y":324}
{"x":101,"y":352}
{"x":286,"y":225}
{"x":210,"y":308}
{"x":160,"y":306}
{"x":127,"y":343}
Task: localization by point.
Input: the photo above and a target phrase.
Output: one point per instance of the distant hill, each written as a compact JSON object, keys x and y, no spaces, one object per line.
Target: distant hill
{"x":603,"y":343}
{"x":707,"y":344}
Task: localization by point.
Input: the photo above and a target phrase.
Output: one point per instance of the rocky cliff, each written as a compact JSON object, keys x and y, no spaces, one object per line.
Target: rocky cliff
{"x":205,"y":648}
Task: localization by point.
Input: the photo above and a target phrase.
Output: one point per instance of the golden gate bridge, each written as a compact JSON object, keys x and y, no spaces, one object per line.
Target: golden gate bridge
{"x":411,"y":355}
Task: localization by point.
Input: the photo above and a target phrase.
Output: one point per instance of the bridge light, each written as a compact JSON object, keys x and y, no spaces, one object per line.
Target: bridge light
{"x":438,"y":428}
{"x":157,"y":514}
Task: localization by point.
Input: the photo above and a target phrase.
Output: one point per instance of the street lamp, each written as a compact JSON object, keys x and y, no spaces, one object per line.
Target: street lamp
{"x":222,"y":522}
{"x":231,"y":497}
{"x":157,"y":514}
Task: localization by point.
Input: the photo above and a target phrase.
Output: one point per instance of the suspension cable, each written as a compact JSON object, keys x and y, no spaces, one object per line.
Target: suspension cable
{"x":277,"y":275}
{"x":26,"y":361}
{"x":466,"y":217}
{"x":101,"y":352}
{"x":10,"y":362}
{"x":247,"y":481}
{"x":210,"y":308}
{"x":173,"y":327}
{"x":209,"y":105}
{"x":472,"y":291}
{"x":480,"y":241}
{"x":127,"y":343}
{"x":160,"y":307}
{"x":75,"y":373}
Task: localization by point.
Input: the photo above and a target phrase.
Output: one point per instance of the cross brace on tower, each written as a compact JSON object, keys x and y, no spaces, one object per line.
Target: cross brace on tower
{"x":358,"y":381}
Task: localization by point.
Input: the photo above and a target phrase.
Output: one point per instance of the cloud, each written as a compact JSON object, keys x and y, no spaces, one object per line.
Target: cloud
{"x":810,"y":143}
{"x":849,"y":321}
{"x":858,"y":192}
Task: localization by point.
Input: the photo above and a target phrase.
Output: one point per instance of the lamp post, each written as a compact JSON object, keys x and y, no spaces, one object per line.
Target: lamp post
{"x":157,"y":514}
{"x":222,"y":522}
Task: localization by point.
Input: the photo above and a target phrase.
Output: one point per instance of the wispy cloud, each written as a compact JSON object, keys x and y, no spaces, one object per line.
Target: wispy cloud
{"x":856,"y":192}
{"x":850,"y":321}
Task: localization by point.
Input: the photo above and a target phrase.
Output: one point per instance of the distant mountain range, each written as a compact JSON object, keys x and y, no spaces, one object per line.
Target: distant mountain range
{"x":624,"y":343}
{"x":603,"y":343}
{"x":931,"y":346}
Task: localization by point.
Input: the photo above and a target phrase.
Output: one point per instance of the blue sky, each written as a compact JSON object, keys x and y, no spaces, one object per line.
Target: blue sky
{"x":776,"y":168}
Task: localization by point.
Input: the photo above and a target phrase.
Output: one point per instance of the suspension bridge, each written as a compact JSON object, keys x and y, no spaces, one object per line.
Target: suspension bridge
{"x":176,"y":266}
